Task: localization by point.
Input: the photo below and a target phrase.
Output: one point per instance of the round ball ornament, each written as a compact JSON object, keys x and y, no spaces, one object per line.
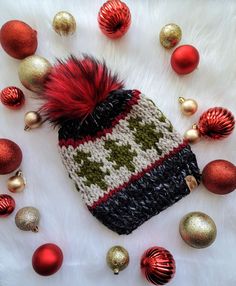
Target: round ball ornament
{"x":32,"y":120}
{"x":117,"y":258}
{"x":64,"y":23}
{"x":47,"y":259}
{"x":12,"y":97}
{"x":188,"y":106}
{"x":185,"y":59}
{"x":18,"y":39}
{"x":16,"y":183}
{"x":158,"y":265}
{"x":170,"y":36}
{"x":27,"y":219}
{"x":10,"y":156}
{"x":33,"y":72}
{"x":7,"y":205}
{"x":219,"y":177}
{"x":198,"y":230}
{"x":192,"y":135}
{"x":114,"y":19}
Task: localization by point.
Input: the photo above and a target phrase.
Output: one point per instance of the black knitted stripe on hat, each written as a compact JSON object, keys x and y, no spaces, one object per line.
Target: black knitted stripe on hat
{"x":101,"y":118}
{"x":156,"y":190}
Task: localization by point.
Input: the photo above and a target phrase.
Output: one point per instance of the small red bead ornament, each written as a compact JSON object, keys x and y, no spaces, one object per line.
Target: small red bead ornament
{"x":158,"y":265}
{"x":47,"y":259}
{"x":7,"y":205}
{"x":114,"y":18}
{"x":12,"y":97}
{"x":185,"y":59}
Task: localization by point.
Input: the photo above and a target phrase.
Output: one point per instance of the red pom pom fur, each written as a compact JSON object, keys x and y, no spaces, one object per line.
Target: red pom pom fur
{"x":75,"y":87}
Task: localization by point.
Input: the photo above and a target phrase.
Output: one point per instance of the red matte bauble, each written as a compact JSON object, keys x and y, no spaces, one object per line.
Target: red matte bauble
{"x":10,"y":156}
{"x":216,"y":123}
{"x":219,"y":177}
{"x":7,"y":205}
{"x":114,"y":18}
{"x":185,"y":59}
{"x":12,"y":97}
{"x":158,"y":265}
{"x":47,"y":259}
{"x":18,"y":39}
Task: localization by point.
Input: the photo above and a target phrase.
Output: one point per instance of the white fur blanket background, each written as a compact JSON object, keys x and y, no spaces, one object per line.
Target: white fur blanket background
{"x":145,"y":65}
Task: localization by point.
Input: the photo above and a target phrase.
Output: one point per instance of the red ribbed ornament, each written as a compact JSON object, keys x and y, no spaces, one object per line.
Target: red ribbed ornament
{"x":12,"y":97}
{"x":7,"y":205}
{"x":216,"y":123}
{"x":158,"y":265}
{"x":114,"y":18}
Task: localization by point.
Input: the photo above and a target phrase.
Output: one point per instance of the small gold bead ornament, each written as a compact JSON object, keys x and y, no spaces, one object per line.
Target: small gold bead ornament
{"x":188,"y":106}
{"x":192,"y":135}
{"x":117,"y":258}
{"x":64,"y":23}
{"x":16,"y":183}
{"x":32,"y":120}
{"x":170,"y":35}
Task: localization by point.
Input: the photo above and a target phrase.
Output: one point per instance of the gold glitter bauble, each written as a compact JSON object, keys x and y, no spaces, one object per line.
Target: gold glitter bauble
{"x":27,"y":219}
{"x":16,"y":184}
{"x":198,"y":229}
{"x":117,"y":258}
{"x":64,"y":23}
{"x":192,"y":135}
{"x":32,"y":120}
{"x":33,"y":71}
{"x":188,"y":106}
{"x":170,"y":36}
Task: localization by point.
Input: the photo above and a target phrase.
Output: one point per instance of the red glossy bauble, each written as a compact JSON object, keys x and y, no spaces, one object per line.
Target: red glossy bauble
{"x":219,"y":177}
{"x":216,"y":123}
{"x":10,"y":156}
{"x":47,"y":259}
{"x":185,"y":59}
{"x":158,"y":265}
{"x":114,"y":18}
{"x":12,"y":97}
{"x":7,"y":205}
{"x":18,"y":39}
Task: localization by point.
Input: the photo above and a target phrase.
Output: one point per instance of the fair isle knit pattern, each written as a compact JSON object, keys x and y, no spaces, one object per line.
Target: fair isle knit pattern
{"x":108,"y":166}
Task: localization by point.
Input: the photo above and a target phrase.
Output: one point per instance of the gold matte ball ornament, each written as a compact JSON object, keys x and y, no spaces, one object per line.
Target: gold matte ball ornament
{"x":27,"y":219}
{"x":192,"y":135}
{"x":198,"y":230}
{"x":188,"y":106}
{"x":16,"y":184}
{"x":117,"y":258}
{"x":64,"y":23}
{"x":170,"y":35}
{"x":33,"y":72}
{"x":32,"y":120}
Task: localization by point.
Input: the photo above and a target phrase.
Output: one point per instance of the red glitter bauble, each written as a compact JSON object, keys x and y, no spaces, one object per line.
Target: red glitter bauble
{"x":216,"y":123}
{"x":114,"y":18}
{"x":12,"y":97}
{"x":158,"y":265}
{"x":18,"y":39}
{"x":185,"y":59}
{"x":47,"y":259}
{"x":10,"y":156}
{"x":219,"y":177}
{"x":7,"y":205}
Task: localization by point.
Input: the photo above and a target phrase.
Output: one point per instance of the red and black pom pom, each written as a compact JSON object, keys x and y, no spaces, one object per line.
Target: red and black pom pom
{"x":75,"y":87}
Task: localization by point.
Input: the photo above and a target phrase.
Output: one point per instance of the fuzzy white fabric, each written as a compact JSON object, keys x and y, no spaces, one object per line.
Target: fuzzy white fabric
{"x":145,"y":65}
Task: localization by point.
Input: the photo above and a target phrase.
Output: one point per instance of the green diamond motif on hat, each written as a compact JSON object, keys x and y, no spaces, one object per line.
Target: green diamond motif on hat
{"x":90,"y":170}
{"x":121,"y":155}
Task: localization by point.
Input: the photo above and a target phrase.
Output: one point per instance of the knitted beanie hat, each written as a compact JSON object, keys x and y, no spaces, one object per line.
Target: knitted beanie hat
{"x":123,"y":154}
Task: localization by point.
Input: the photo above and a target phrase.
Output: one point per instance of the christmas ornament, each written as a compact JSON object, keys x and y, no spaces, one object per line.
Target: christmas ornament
{"x":158,"y":265}
{"x":27,"y":219}
{"x":18,"y":39}
{"x":170,"y":36}
{"x":89,"y":119}
{"x":32,"y":120}
{"x":16,"y":183}
{"x":188,"y":106}
{"x":64,"y":23}
{"x":185,"y":59}
{"x":33,"y":72}
{"x":215,"y":123}
{"x":47,"y":259}
{"x":114,"y":19}
{"x":12,"y":97}
{"x":197,"y":229}
{"x":7,"y":205}
{"x":10,"y":156}
{"x":219,"y":177}
{"x":117,"y":258}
